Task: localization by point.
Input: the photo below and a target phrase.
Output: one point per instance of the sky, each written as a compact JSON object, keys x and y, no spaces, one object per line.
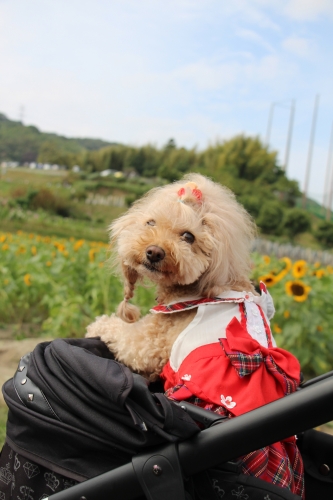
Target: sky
{"x":197,"y":71}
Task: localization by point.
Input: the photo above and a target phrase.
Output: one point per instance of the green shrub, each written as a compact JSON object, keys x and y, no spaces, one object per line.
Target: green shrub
{"x":269,"y":217}
{"x":130,"y":199}
{"x":295,"y":221}
{"x":44,"y":199}
{"x":251,"y":203}
{"x":26,"y":200}
{"x":324,"y":233}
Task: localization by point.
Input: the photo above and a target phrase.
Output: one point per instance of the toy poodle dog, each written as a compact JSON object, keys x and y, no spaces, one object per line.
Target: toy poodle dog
{"x":192,"y":240}
{"x":209,"y":337}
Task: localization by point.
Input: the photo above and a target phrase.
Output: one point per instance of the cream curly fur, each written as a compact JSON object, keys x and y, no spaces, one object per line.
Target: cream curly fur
{"x":217,"y":259}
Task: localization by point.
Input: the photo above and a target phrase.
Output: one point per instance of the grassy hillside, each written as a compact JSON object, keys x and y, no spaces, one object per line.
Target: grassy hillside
{"x":23,"y":143}
{"x":64,"y":204}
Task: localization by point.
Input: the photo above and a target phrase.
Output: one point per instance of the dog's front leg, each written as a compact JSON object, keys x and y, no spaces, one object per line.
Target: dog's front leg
{"x":143,"y":346}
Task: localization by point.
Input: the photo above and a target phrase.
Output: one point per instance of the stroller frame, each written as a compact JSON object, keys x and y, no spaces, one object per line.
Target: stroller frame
{"x":159,"y":473}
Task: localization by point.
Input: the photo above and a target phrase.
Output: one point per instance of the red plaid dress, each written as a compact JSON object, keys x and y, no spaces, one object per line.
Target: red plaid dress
{"x":237,"y":374}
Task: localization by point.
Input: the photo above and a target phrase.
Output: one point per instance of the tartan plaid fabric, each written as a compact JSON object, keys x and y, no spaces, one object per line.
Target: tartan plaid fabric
{"x":245,"y":364}
{"x":190,"y":304}
{"x":279,"y":463}
{"x":290,"y":384}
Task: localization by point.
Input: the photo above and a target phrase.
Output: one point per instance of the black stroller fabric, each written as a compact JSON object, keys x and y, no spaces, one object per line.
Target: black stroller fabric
{"x":317,"y":452}
{"x":101,"y":413}
{"x":21,"y":478}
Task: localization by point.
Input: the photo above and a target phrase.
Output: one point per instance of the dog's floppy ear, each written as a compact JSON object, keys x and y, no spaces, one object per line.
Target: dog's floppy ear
{"x":126,"y":311}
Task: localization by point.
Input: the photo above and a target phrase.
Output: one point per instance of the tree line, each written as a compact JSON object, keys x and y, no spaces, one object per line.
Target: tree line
{"x":244,"y":164}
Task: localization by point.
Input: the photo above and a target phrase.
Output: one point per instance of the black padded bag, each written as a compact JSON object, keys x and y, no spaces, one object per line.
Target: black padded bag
{"x":78,"y":412}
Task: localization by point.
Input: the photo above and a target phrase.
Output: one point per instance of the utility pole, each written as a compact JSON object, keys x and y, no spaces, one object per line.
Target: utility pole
{"x":329,"y":179}
{"x":309,"y":160}
{"x":269,"y":124}
{"x":21,"y":113}
{"x":282,"y":104}
{"x":289,"y":136}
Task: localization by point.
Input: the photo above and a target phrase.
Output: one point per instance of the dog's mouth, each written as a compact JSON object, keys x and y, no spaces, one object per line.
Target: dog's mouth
{"x":155,"y":268}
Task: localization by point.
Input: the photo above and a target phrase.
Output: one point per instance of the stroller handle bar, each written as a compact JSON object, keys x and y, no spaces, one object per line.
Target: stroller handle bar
{"x":308,"y":407}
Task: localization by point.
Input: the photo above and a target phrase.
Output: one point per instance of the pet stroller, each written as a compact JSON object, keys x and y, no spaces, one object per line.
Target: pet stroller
{"x":83,"y":427}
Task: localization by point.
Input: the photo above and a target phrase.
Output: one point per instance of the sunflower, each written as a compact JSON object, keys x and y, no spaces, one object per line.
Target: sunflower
{"x":78,"y":245}
{"x":268,"y":279}
{"x":21,"y":249}
{"x":319,"y":273}
{"x":92,"y":253}
{"x":266,"y":259}
{"x":276,"y":328}
{"x":27,"y":279}
{"x":298,"y":290}
{"x":60,"y":246}
{"x":299,"y":268}
{"x":288,"y":265}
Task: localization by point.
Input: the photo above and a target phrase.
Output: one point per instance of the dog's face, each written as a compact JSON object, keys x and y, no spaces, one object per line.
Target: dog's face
{"x":164,"y":246}
{"x":181,"y":236}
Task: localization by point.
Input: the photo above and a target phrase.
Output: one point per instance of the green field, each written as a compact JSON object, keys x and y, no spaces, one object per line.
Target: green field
{"x":3,"y":418}
{"x":84,"y":220}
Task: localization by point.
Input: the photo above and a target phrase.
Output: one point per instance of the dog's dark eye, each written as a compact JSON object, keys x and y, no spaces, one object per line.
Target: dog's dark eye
{"x":151,"y":223}
{"x":188,"y":237}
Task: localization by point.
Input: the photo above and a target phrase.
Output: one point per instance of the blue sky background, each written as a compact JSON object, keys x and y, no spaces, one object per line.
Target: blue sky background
{"x":139,"y":71}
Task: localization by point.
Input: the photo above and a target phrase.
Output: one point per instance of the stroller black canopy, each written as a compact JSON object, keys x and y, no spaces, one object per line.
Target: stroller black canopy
{"x":77,"y":411}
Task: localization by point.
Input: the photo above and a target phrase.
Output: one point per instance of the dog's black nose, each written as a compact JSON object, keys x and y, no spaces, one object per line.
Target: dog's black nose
{"x":155,"y":253}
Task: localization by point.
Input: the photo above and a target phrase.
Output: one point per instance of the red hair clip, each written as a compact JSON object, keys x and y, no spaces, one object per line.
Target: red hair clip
{"x":189,"y":192}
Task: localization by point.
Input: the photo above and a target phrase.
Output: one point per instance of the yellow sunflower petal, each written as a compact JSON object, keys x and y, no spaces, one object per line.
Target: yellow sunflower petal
{"x":299,"y":268}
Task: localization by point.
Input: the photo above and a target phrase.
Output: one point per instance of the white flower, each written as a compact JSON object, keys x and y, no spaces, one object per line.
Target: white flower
{"x":228,"y":402}
{"x":186,"y":377}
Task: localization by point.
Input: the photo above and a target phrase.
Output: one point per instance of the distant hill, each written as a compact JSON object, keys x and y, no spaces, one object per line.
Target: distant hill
{"x":23,"y":143}
{"x":313,"y":207}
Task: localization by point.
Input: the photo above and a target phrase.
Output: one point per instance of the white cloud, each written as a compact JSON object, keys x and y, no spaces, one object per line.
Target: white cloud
{"x":253,"y":12}
{"x":298,"y":46}
{"x":253,"y":36}
{"x":308,"y":10}
{"x":206,"y":76}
